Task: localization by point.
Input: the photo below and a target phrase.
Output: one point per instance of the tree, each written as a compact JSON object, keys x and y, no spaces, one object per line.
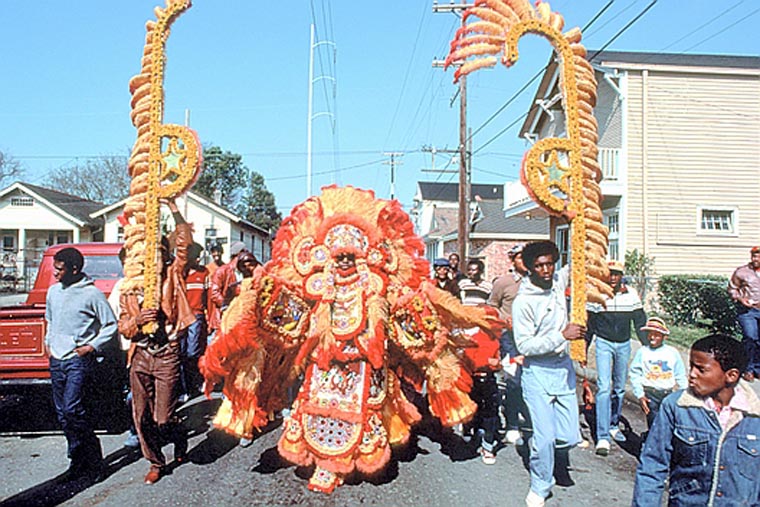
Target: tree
{"x":258,"y":204}
{"x":223,"y":172}
{"x":105,"y":179}
{"x":640,"y":269}
{"x":10,"y":169}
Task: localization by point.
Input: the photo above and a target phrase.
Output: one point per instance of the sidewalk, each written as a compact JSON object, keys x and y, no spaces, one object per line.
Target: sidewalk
{"x":590,"y":371}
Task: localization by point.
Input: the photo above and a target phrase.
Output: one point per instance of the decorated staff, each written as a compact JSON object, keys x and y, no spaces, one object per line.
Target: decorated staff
{"x":165,"y":162}
{"x":567,"y":166}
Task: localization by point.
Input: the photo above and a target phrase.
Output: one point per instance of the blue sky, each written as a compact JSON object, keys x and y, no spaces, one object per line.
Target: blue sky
{"x":242,"y":71}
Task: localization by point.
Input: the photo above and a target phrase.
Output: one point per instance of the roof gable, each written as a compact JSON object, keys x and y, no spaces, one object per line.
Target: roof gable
{"x":76,"y":209}
{"x":200,"y":200}
{"x":449,"y":192}
{"x":639,"y":59}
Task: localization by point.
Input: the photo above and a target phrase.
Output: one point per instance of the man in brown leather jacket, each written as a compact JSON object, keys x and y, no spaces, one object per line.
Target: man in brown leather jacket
{"x":155,"y":369}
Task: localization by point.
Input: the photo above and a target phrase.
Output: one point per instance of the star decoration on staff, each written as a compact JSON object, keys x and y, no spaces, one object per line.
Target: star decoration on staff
{"x":172,"y":157}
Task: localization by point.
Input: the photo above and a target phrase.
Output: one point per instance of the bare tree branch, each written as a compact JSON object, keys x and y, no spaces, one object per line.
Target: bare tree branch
{"x":104,"y":180}
{"x":10,"y":169}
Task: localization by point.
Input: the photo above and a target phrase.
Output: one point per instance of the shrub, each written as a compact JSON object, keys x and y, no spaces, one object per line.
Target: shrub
{"x":698,"y":300}
{"x":639,"y":268}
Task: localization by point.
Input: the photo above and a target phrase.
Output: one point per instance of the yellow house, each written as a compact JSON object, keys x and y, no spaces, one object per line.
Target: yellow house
{"x":679,"y":139}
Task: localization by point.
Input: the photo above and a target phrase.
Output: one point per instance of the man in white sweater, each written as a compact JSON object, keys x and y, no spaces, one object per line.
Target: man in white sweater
{"x":541,"y":328}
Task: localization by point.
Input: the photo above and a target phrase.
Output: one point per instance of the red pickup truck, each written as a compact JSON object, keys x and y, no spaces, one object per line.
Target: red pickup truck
{"x":22,"y":327}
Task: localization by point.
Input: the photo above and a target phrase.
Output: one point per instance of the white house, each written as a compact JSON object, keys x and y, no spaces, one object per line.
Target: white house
{"x":33,"y":218}
{"x":490,"y":233}
{"x":212,"y":223}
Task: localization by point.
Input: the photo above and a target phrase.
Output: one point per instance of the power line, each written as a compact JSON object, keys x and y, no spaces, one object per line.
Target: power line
{"x":597,"y":16}
{"x":614,"y":37}
{"x":501,"y":132}
{"x":613,"y":18}
{"x":272,"y":154}
{"x":509,"y":101}
{"x":533,"y":79}
{"x":623,"y":30}
{"x":709,"y":22}
{"x":322,"y":173}
{"x":723,"y":30}
{"x":406,"y":74}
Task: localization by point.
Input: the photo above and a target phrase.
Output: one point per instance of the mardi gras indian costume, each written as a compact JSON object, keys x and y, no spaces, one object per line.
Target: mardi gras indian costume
{"x":346,"y":301}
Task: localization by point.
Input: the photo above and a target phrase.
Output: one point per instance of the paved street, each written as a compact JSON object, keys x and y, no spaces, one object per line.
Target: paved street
{"x":434,"y":469}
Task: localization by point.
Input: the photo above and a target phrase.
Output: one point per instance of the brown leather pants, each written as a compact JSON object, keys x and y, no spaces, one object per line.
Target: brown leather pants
{"x":155,"y":389}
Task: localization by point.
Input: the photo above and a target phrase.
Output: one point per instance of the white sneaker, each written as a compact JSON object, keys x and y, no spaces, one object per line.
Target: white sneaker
{"x":513,"y":437}
{"x":488,"y":457}
{"x":603,"y":447}
{"x":617,"y":435}
{"x":534,"y":499}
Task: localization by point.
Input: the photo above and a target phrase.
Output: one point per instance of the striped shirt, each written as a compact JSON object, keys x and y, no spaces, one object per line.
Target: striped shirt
{"x":474,"y":293}
{"x":197,"y":282}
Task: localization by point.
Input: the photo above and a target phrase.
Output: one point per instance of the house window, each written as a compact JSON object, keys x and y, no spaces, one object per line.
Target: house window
{"x":563,"y":244}
{"x":120,"y":235}
{"x":717,"y":220}
{"x":22,"y":201}
{"x":58,"y":237}
{"x":613,"y":251}
{"x":612,"y":223}
{"x":241,"y":235}
{"x":9,"y":242}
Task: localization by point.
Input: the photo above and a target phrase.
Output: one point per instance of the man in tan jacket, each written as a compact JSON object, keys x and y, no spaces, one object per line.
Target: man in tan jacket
{"x":155,"y":369}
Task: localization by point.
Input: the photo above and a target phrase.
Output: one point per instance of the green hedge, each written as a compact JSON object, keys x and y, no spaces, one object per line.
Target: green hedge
{"x":698,"y":300}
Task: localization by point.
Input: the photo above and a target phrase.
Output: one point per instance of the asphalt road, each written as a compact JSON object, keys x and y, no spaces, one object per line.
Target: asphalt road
{"x":435,"y":469}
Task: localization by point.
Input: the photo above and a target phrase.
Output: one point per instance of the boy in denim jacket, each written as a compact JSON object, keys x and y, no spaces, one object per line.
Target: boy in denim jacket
{"x":705,"y":440}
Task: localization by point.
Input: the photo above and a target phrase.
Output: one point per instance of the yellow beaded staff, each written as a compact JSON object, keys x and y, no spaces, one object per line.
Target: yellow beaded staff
{"x":164,"y":163}
{"x":566,"y":166}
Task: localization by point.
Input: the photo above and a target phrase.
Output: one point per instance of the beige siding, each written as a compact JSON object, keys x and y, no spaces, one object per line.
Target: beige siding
{"x":702,"y":142}
{"x":608,"y":113}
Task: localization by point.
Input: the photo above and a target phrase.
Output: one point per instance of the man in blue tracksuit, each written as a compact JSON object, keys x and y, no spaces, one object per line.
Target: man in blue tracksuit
{"x":79,"y":323}
{"x":541,"y":330}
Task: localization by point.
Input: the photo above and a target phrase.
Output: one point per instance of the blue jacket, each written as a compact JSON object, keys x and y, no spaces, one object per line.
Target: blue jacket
{"x":705,"y":465}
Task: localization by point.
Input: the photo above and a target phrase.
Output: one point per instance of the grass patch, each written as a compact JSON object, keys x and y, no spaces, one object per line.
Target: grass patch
{"x":683,"y":336}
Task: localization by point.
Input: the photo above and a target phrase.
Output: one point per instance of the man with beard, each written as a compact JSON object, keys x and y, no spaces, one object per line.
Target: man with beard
{"x":541,"y":329}
{"x":610,"y":325}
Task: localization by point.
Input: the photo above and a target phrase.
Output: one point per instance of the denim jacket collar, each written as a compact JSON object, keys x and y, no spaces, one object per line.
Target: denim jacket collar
{"x":687,"y":399}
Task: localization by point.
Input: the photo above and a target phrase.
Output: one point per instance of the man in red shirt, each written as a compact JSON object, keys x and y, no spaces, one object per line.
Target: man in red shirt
{"x":193,"y":339}
{"x":223,"y":283}
{"x":216,"y":259}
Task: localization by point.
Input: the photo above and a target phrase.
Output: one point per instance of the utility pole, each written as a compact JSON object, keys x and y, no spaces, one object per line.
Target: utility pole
{"x":463,"y":236}
{"x":433,"y":152}
{"x":310,"y":114}
{"x":395,"y":155}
